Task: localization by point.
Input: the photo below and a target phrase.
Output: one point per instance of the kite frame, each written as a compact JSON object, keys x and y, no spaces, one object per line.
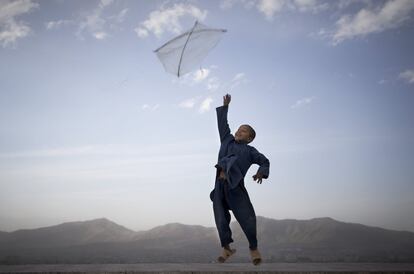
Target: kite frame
{"x":189,"y":33}
{"x":185,"y":45}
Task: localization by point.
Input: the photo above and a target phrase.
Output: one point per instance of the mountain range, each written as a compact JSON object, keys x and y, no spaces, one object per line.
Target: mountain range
{"x":288,"y":240}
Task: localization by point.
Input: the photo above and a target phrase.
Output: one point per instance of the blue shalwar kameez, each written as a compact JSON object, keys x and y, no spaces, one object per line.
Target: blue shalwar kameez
{"x":234,"y":159}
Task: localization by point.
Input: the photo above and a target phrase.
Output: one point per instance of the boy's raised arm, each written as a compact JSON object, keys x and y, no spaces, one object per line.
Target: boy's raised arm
{"x":223,"y":126}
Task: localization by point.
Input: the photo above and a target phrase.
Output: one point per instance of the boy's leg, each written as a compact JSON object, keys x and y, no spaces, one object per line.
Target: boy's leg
{"x":222,"y":214}
{"x":243,"y":210}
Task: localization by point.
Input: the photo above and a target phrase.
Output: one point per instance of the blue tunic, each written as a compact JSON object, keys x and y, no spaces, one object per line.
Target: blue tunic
{"x":235,"y":158}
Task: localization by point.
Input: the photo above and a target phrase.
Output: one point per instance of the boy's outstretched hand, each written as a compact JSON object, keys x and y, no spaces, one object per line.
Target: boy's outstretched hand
{"x":258,"y":177}
{"x":226,"y":99}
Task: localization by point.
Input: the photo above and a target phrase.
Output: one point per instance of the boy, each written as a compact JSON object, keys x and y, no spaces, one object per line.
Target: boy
{"x":235,"y":158}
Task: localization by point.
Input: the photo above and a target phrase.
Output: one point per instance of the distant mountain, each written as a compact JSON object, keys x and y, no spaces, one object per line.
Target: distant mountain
{"x":103,"y":241}
{"x":325,"y":239}
{"x":67,"y":234}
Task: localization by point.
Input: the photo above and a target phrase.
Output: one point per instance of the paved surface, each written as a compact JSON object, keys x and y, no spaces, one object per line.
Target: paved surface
{"x":213,"y":268}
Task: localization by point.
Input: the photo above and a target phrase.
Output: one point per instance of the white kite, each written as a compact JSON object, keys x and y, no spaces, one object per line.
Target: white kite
{"x":185,"y":52}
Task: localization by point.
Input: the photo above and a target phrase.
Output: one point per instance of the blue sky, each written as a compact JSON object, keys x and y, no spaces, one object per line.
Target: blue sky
{"x":92,"y":126}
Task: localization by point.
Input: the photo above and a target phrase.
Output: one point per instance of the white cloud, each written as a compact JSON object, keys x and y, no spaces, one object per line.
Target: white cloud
{"x":322,"y":33}
{"x":238,"y":79}
{"x":227,"y":4}
{"x":120,"y":17}
{"x":100,"y":35}
{"x":205,"y":105}
{"x":11,"y":9}
{"x":238,"y":76}
{"x":10,"y":29}
{"x":13,"y":31}
{"x":270,"y":7}
{"x":302,"y":102}
{"x":200,"y":75}
{"x":96,"y":22}
{"x":408,"y":76}
{"x":149,"y":107}
{"x":373,"y":20}
{"x":92,"y":22}
{"x":310,"y":5}
{"x":189,"y":103}
{"x":213,"y":83}
{"x":193,"y":78}
{"x":167,"y":19}
{"x":57,"y":24}
{"x":142,"y":33}
{"x":105,"y":3}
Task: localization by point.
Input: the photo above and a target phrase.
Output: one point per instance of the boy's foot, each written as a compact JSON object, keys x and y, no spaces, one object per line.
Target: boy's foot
{"x":256,"y":257}
{"x":227,"y":252}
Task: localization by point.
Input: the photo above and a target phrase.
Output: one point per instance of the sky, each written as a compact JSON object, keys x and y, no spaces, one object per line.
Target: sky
{"x":91,"y":125}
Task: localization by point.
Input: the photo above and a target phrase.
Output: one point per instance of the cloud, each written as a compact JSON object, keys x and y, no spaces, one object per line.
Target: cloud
{"x":271,"y":7}
{"x":189,"y":103}
{"x":238,"y":79}
{"x":373,"y":20}
{"x":205,"y":105}
{"x":142,"y":33}
{"x":408,"y":76}
{"x":58,"y":24}
{"x":100,"y":35}
{"x":200,"y":75}
{"x":227,"y":4}
{"x":120,"y":17}
{"x":149,"y":107}
{"x":96,"y":22}
{"x":213,"y":83}
{"x":193,"y":78}
{"x":10,"y":29}
{"x":167,"y":19}
{"x":302,"y":102}
{"x":104,"y":3}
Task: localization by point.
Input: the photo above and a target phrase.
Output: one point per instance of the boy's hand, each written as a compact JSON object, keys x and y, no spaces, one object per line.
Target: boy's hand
{"x":226,"y":99}
{"x":258,"y":177}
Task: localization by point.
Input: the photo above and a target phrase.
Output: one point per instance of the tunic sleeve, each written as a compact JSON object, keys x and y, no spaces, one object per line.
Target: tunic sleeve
{"x":259,"y":159}
{"x":223,"y":126}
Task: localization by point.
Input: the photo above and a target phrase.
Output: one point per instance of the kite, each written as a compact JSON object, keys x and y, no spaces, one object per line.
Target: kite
{"x":183,"y":53}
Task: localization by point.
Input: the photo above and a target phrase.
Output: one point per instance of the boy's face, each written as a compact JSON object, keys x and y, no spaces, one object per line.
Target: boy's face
{"x":242,"y":134}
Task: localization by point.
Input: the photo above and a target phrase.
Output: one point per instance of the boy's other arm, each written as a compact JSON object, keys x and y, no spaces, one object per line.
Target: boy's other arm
{"x":223,"y":126}
{"x":264,"y":165}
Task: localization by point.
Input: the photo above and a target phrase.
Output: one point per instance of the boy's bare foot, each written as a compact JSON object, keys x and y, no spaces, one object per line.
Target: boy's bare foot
{"x":256,"y":257}
{"x":227,"y":252}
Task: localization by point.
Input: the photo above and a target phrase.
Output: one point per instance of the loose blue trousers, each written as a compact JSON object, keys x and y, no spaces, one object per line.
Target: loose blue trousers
{"x":237,"y":200}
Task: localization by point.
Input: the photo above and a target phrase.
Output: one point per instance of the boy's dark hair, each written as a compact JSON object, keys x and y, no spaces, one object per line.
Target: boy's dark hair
{"x":252,"y":132}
